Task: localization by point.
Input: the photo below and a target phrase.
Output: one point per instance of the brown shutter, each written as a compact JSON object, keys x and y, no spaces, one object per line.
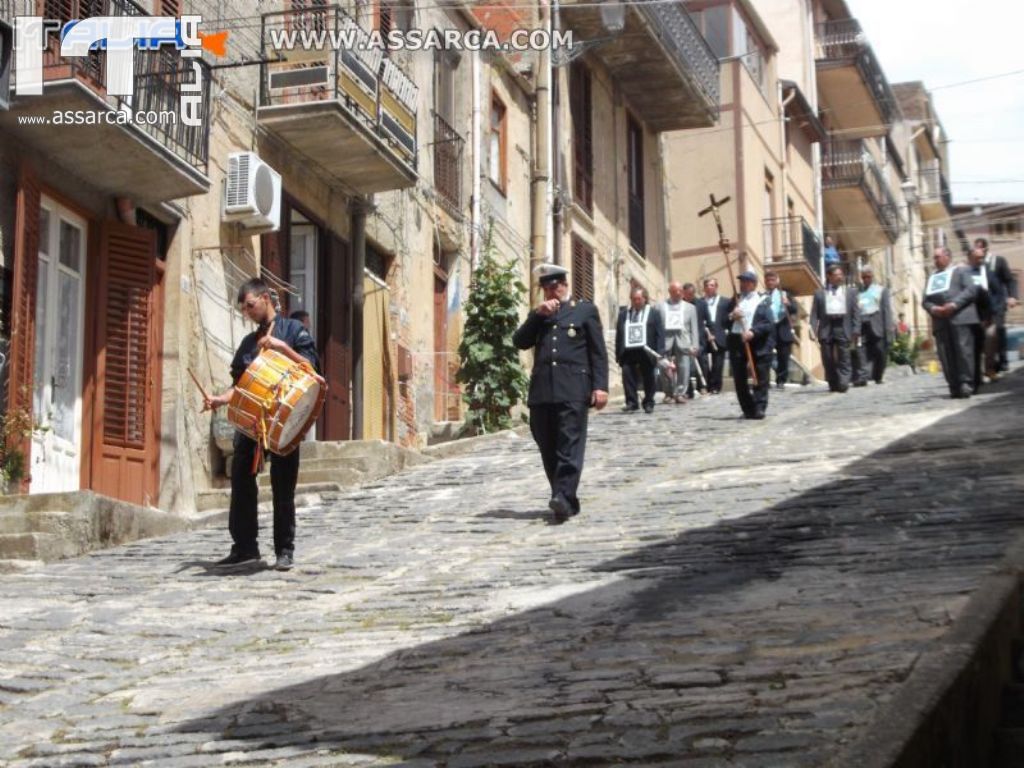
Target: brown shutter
{"x":23,"y":307}
{"x":582,"y":270}
{"x":275,"y":266}
{"x":126,"y":369}
{"x":169,"y":8}
{"x":337,"y":361}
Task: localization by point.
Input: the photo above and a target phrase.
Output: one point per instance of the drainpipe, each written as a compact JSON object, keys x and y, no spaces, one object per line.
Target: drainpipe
{"x":783,"y":103}
{"x":359,"y":207}
{"x":557,"y":187}
{"x":541,"y":182}
{"x":476,"y":226}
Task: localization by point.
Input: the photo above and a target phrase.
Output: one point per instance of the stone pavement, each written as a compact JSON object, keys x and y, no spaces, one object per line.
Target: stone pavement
{"x":735,"y":593}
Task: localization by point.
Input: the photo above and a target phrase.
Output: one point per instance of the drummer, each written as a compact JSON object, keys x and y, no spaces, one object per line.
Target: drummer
{"x":290,"y":338}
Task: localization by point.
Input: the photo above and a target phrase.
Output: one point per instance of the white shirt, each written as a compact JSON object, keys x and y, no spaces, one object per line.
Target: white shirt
{"x":748,"y":305}
{"x":835,"y":303}
{"x":713,"y":306}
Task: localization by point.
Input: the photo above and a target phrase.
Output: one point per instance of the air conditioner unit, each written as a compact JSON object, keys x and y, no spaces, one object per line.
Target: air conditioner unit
{"x":252,"y":194}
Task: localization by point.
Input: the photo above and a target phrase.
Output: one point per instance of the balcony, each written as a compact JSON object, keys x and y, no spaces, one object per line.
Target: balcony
{"x":448,"y":148}
{"x":660,"y":60}
{"x":150,"y":161}
{"x":794,"y":251}
{"x":933,"y":193}
{"x":858,"y":202}
{"x":350,"y":111}
{"x":852,"y":87}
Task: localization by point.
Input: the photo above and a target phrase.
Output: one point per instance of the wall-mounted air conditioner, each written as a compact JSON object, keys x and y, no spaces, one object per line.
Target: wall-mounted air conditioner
{"x":252,"y":194}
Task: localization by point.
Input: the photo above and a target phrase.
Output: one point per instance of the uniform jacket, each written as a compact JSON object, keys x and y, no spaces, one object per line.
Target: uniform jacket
{"x":784,"y":328}
{"x":719,"y":325}
{"x":569,"y":356}
{"x":963,"y":292}
{"x":762,"y":326}
{"x":287,"y":330}
{"x":819,"y":316}
{"x":882,"y":323}
{"x":686,"y":338}
{"x":655,"y":331}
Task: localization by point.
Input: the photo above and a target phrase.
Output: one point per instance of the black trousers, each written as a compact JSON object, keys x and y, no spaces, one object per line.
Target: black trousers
{"x":835,"y":356}
{"x":978,"y":331}
{"x":752,"y":399}
{"x":955,"y":347}
{"x":637,"y":365}
{"x":243,"y":522}
{"x":560,"y":431}
{"x":713,"y":370}
{"x":783,"y":351}
{"x":1000,"y":320}
{"x":872,"y":356}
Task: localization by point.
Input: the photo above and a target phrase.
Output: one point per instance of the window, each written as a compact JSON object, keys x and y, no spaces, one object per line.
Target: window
{"x":582,"y":136}
{"x":496,"y":157}
{"x":635,"y":182}
{"x":769,"y":214}
{"x":393,"y":14}
{"x":713,"y":24}
{"x":582,"y":270}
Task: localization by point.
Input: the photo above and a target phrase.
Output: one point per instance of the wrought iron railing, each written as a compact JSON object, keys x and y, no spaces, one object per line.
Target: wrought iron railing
{"x":847,"y":163}
{"x":791,"y":238}
{"x":932,"y":187}
{"x":448,"y":148}
{"x":844,"y":40}
{"x":675,"y":29}
{"x":373,"y":88}
{"x":161,"y":79}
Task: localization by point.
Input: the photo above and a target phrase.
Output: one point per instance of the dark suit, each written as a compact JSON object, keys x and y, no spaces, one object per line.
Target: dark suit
{"x":718,"y":326}
{"x":877,"y":330}
{"x":569,"y":363}
{"x":784,"y":337}
{"x":762,"y":325}
{"x":954,"y":336}
{"x":637,"y":363}
{"x":1004,"y":274}
{"x":991,"y":304}
{"x":836,"y":335}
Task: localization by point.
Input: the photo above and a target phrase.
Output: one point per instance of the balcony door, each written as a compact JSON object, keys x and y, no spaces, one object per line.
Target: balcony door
{"x":59,"y":320}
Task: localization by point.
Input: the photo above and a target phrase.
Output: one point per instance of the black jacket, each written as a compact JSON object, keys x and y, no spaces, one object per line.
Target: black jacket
{"x":718,"y":325}
{"x":819,"y":316}
{"x":287,"y":330}
{"x":569,"y":356}
{"x":655,"y":331}
{"x":1006,"y":277}
{"x":762,"y":326}
{"x":784,"y":328}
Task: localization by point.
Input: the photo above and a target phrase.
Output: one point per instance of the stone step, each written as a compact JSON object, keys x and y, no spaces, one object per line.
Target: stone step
{"x":327,"y":474}
{"x":1009,"y":748}
{"x":307,"y":494}
{"x":36,"y":545}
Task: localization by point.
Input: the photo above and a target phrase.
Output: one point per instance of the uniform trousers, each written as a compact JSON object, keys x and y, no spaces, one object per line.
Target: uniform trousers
{"x":560,"y":431}
{"x":752,"y":399}
{"x":243,"y":521}
{"x":715,"y":368}
{"x":783,"y":351}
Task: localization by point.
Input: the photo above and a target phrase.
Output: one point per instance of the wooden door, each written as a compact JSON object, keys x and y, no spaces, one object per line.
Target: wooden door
{"x":336,"y":347}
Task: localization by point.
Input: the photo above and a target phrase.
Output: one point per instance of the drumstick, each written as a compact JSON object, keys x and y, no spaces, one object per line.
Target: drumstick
{"x":196,"y":380}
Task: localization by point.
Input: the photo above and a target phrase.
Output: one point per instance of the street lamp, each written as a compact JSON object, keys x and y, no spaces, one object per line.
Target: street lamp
{"x":613,"y":19}
{"x":613,"y":16}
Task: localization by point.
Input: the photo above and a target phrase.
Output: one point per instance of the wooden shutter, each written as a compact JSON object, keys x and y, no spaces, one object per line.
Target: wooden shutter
{"x":126,"y":367}
{"x":169,"y":7}
{"x":582,"y":270}
{"x":582,"y":136}
{"x":335,"y":306}
{"x":23,"y":306}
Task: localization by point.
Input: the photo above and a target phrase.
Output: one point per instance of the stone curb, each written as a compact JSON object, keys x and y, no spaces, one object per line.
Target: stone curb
{"x":947,"y":711}
{"x":466,"y":445}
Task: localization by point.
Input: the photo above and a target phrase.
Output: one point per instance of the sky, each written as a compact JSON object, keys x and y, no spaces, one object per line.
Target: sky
{"x":942,"y":43}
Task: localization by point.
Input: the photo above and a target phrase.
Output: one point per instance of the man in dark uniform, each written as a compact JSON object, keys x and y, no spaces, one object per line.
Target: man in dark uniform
{"x":951,"y":299}
{"x":835,"y":323}
{"x":713,"y":317}
{"x":752,"y":323}
{"x":638,"y":329}
{"x":570,"y":374}
{"x":784,"y":310}
{"x":291,"y":339}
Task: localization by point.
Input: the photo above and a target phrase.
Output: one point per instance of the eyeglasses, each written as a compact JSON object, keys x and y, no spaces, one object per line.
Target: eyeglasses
{"x":250,"y":304}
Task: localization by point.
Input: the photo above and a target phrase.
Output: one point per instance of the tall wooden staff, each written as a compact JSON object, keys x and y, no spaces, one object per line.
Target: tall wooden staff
{"x":723,"y":243}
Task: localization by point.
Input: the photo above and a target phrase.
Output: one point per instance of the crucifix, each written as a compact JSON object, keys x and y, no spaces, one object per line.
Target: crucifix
{"x":723,"y":243}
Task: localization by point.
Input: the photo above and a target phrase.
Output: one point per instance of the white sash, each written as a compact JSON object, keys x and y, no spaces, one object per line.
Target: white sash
{"x":981,"y":278}
{"x":674,"y":316}
{"x":636,"y":332}
{"x":939,"y":282}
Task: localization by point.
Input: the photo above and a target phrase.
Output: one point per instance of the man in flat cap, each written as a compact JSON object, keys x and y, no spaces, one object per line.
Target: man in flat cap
{"x":752,"y":324}
{"x":878,"y":329}
{"x":570,"y":374}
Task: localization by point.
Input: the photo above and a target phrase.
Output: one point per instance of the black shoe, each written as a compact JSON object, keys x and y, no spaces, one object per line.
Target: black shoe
{"x":648,"y":409}
{"x":630,"y":408}
{"x":237,"y":558}
{"x":561,"y":507}
{"x":966,"y":391}
{"x":841,"y":390}
{"x":758,"y":414}
{"x":860,"y":383}
{"x":284,"y":562}
{"x":780,"y":385}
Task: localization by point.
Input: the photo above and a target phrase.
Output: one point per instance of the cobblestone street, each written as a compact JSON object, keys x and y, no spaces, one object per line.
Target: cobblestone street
{"x":734,"y":593}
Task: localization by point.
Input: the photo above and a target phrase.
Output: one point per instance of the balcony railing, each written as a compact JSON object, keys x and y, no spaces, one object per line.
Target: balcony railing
{"x":374,"y":89}
{"x":161,"y":79}
{"x":791,"y":238}
{"x":675,"y":29}
{"x":844,"y":40}
{"x":448,"y":147}
{"x":933,"y":187}
{"x":850,"y":163}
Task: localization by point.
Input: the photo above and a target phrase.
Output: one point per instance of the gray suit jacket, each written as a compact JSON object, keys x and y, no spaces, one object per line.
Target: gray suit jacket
{"x":963,"y":292}
{"x":882,"y":323}
{"x":819,"y":316}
